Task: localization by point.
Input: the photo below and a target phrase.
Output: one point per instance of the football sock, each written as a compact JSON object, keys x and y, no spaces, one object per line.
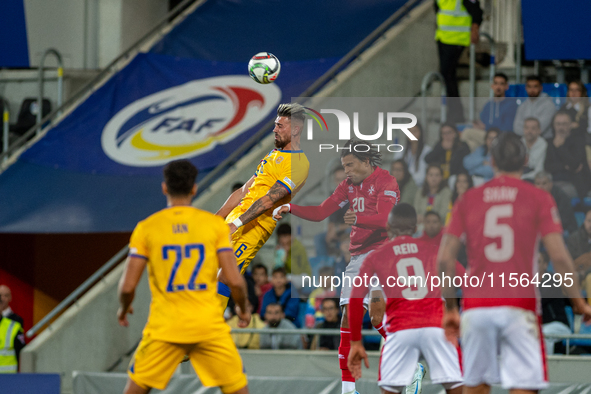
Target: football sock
{"x":346,"y":377}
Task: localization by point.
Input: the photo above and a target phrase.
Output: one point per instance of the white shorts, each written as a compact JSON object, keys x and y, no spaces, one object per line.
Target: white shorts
{"x":352,"y":271}
{"x":402,"y":351}
{"x":503,"y":345}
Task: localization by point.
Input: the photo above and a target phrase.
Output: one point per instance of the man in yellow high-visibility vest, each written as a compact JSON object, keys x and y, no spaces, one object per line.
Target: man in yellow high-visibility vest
{"x":12,"y":340}
{"x":458,"y":23}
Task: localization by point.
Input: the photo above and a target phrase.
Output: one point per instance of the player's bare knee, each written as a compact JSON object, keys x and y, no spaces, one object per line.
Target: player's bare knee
{"x":453,"y":388}
{"x":243,"y":390}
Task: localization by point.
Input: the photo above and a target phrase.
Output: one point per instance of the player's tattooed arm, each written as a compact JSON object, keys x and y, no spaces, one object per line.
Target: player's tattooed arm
{"x":276,"y":193}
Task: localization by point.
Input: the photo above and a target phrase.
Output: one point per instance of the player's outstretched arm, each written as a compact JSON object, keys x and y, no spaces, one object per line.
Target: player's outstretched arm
{"x":234,"y":199}
{"x":134,"y":267}
{"x":276,"y":193}
{"x":563,"y":265}
{"x":236,"y":283}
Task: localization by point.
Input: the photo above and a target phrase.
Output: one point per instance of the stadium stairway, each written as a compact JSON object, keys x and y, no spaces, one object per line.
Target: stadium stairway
{"x":86,"y":336}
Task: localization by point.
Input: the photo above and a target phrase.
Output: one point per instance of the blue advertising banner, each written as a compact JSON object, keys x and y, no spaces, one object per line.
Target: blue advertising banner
{"x":556,"y":29}
{"x":14,"y":48}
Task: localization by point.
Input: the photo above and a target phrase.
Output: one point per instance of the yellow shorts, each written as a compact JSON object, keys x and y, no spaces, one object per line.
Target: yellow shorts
{"x":247,"y":241}
{"x":216,"y":362}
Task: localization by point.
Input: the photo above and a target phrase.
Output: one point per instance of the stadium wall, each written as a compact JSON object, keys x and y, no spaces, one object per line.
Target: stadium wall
{"x":87,"y":336}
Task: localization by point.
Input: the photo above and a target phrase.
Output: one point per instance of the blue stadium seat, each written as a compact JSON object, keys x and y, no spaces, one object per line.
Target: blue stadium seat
{"x":585,"y":329}
{"x":587,"y":201}
{"x":575,"y":201}
{"x":580,"y":216}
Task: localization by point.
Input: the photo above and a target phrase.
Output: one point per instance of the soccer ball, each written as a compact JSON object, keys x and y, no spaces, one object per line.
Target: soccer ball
{"x":264,"y":67}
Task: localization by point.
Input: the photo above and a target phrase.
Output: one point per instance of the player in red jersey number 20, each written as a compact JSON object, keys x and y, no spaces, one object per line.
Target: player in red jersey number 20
{"x":371,"y":192}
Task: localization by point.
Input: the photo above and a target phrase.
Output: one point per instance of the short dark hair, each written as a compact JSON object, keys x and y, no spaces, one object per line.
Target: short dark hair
{"x":260,"y":266}
{"x":432,"y":213}
{"x":403,"y":217}
{"x":279,"y":270}
{"x":372,"y":155}
{"x":533,"y":78}
{"x":274,"y":304}
{"x":179,"y":177}
{"x":501,"y":75}
{"x":333,"y":300}
{"x":236,"y":186}
{"x":509,"y":152}
{"x":292,"y":110}
{"x":534,"y":119}
{"x":283,"y":229}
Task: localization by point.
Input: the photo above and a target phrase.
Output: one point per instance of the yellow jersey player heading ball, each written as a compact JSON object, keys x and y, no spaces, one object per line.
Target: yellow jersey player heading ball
{"x":279,"y":175}
{"x":183,"y":248}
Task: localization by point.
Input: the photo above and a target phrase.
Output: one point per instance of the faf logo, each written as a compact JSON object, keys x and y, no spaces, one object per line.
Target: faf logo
{"x":187,"y":120}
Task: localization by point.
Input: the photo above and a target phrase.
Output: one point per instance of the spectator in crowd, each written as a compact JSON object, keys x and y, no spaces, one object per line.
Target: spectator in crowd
{"x":344,"y":256}
{"x":500,"y":111}
{"x":252,"y":297}
{"x":327,"y":244}
{"x":566,"y":159}
{"x":275,"y":318}
{"x":432,"y":228}
{"x":414,"y":155}
{"x":434,"y":195}
{"x":247,"y":341}
{"x":5,"y":300}
{"x":536,"y":148}
{"x":538,"y":105}
{"x":449,"y":152}
{"x":11,"y":332}
{"x":462,"y":184}
{"x":330,"y":310}
{"x":578,"y":107}
{"x":579,"y":246}
{"x":457,"y":27}
{"x":321,"y":292}
{"x":407,"y":185}
{"x":543,"y":180}
{"x":554,"y":320}
{"x":260,"y":275}
{"x":478,"y":163}
{"x":281,"y":294}
{"x":296,"y":258}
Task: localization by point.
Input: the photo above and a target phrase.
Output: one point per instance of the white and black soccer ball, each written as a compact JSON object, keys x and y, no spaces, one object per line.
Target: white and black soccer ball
{"x":264,"y":67}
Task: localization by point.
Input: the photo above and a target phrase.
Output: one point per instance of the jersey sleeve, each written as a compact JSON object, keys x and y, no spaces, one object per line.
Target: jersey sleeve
{"x":456,"y":224}
{"x":339,"y":195}
{"x":223,"y":242}
{"x":549,"y":218}
{"x":390,"y":191}
{"x":138,"y":245}
{"x":291,"y":174}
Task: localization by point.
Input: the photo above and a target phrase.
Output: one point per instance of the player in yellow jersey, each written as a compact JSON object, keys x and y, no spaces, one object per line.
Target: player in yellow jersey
{"x":249,"y":210}
{"x":183,"y":248}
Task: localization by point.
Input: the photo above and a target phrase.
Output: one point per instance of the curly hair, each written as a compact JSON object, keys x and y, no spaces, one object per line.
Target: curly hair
{"x":371,"y":154}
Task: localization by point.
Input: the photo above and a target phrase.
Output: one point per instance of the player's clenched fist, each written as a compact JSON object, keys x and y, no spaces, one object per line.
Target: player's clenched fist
{"x":283,"y":209}
{"x":350,"y":217}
